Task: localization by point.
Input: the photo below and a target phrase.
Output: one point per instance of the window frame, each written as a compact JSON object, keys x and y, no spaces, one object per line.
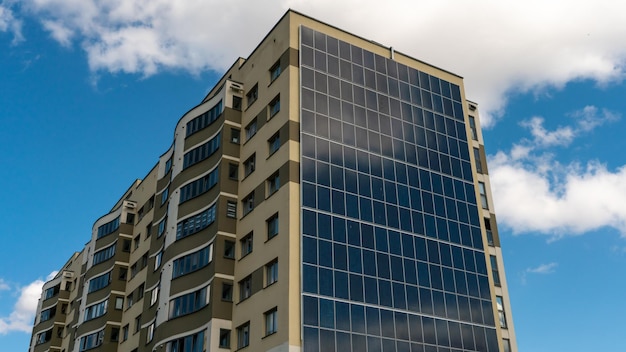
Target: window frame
{"x":243,"y":335}
{"x":274,"y":143}
{"x":252,"y":95}
{"x":271,"y":272}
{"x":274,"y":106}
{"x":275,"y":71}
{"x":273,"y":183}
{"x":246,"y":244}
{"x":273,"y":226}
{"x":245,"y":288}
{"x":271,"y":321}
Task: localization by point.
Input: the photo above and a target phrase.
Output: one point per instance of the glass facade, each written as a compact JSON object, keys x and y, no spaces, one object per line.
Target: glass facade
{"x":392,"y":252}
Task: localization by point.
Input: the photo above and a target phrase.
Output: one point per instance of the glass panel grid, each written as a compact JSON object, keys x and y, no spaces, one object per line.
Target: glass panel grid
{"x":390,"y":219}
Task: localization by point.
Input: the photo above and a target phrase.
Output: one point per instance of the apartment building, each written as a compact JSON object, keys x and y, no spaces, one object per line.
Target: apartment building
{"x":328,"y":194}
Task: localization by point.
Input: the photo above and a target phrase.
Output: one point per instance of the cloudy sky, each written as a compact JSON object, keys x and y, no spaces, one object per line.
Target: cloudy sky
{"x":90,"y":92}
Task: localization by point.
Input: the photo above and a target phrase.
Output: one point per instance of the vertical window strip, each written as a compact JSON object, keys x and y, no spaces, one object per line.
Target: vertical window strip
{"x":104,"y":254}
{"x":202,"y":152}
{"x":199,"y":186}
{"x":192,"y":262}
{"x":204,"y":120}
{"x":195,"y":223}
{"x":109,"y":227}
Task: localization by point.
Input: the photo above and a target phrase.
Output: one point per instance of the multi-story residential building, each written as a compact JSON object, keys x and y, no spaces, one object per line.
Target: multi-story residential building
{"x":329,"y":194}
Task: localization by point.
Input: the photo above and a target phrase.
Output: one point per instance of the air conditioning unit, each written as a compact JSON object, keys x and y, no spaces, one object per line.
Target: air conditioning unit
{"x":236,"y":86}
{"x":68,"y":274}
{"x":131,"y":205}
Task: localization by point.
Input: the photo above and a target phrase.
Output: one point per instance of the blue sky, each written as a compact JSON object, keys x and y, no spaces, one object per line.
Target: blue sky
{"x":90,"y":92}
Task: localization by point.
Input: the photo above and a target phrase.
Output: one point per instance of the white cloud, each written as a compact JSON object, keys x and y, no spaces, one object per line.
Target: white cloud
{"x":534,"y":193}
{"x":586,"y":118}
{"x":21,"y":318}
{"x":4,"y":286}
{"x":499,"y":47}
{"x":543,"y":269}
{"x":8,"y":23}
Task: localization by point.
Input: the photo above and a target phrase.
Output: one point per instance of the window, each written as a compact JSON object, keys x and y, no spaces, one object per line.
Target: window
{"x":251,"y":129}
{"x":253,"y":94}
{"x":96,"y":310}
{"x":136,"y":241}
{"x":237,"y":103}
{"x":125,"y":333}
{"x":60,"y":331}
{"x":52,"y":291}
{"x":115,"y":334}
{"x":104,"y":254}
{"x":272,"y":226}
{"x":125,"y":245}
{"x":141,"y":291}
{"x":202,"y":152}
{"x":274,"y":106}
{"x":204,"y":120}
{"x":224,"y":338}
{"x":164,"y":196}
{"x":506,"y":345}
{"x":119,"y":303}
{"x":245,"y":288}
{"x":494,"y":270}
{"x":243,"y":335}
{"x":91,"y":341}
{"x":248,"y":203}
{"x":501,"y":315}
{"x":472,"y":123}
{"x":483,"y":195}
{"x":275,"y":71}
{"x":157,"y":260}
{"x":271,"y":272}
{"x":134,"y":269}
{"x":47,"y":314}
{"x":229,"y":249}
{"x":274,"y":143}
{"x":44,"y":337}
{"x":235,"y":136}
{"x":190,"y":343}
{"x":249,"y":165}
{"x":148,"y":230}
{"x":150,"y":334}
{"x":233,"y":171}
{"x":123,"y":274}
{"x":479,"y":164}
{"x":168,"y":165}
{"x":108,"y":228}
{"x":489,"y":232}
{"x":231,"y":209}
{"x":192,"y":262}
{"x":227,"y":292}
{"x":154,"y":296}
{"x":138,"y":323}
{"x":271,"y":322}
{"x":199,"y":186}
{"x":99,"y":282}
{"x":195,"y":223}
{"x":246,"y":244}
{"x":273,"y":184}
{"x":189,"y":303}
{"x":129,"y":300}
{"x":162,"y":226}
{"x":130,"y":218}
